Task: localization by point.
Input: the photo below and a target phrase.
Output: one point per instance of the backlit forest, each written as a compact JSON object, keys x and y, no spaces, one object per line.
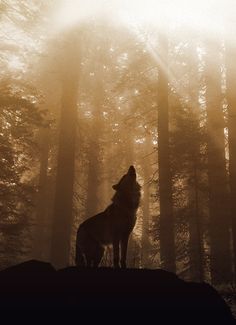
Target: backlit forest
{"x":88,"y":88}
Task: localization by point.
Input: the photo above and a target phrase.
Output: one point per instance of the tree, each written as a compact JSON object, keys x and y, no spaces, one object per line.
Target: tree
{"x":146,"y":206}
{"x":167,"y":238}
{"x":63,"y":209}
{"x":231,"y":99}
{"x":20,"y":118}
{"x":195,"y":228}
{"x":217,"y":177}
{"x":41,"y":224}
{"x":22,"y":39}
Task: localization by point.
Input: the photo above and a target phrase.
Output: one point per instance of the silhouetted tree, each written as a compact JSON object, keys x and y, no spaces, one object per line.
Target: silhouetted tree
{"x":195,"y":220}
{"x":63,"y":211}
{"x":167,"y":238}
{"x":231,"y":99}
{"x":97,"y":127}
{"x":146,"y":209}
{"x":218,"y":191}
{"x":40,"y":249}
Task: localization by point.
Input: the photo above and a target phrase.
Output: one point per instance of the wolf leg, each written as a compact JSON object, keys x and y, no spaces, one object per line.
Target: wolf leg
{"x":98,"y":256}
{"x":93,"y":252}
{"x":124,"y":245}
{"x":116,"y":253}
{"x":79,"y":258}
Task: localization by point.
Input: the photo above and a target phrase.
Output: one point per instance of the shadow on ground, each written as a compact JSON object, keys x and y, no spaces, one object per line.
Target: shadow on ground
{"x":35,"y":290}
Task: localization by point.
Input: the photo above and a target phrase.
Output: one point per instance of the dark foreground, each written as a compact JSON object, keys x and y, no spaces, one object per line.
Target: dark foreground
{"x":35,"y":291}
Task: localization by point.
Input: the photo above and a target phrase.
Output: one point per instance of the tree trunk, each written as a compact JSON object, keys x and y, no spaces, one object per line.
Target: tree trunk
{"x":218,"y":193}
{"x":94,"y":155}
{"x":146,"y":215}
{"x":40,"y":248}
{"x":195,"y":231}
{"x":231,"y":98}
{"x":167,"y":237}
{"x":93,"y":181}
{"x":133,"y":250}
{"x":63,"y":209}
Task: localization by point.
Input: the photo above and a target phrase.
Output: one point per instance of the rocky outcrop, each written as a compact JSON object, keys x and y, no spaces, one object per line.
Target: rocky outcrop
{"x":36,"y":291}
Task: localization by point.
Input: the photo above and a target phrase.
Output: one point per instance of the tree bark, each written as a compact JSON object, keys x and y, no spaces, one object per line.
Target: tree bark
{"x":63,"y":208}
{"x":40,"y":249}
{"x":94,"y":155}
{"x":231,"y":99}
{"x":93,"y":181}
{"x":167,"y":237}
{"x":146,"y":215}
{"x":220,"y":260}
{"x":195,"y":231}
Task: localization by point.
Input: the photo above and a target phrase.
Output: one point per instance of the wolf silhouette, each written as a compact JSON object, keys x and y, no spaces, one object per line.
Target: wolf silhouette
{"x":112,"y":226}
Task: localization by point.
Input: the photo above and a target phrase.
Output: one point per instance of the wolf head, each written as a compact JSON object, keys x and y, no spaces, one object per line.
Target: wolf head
{"x":128,"y":179}
{"x":127,"y":189}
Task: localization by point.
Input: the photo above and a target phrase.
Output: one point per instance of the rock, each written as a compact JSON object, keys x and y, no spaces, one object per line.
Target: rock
{"x":36,"y":291}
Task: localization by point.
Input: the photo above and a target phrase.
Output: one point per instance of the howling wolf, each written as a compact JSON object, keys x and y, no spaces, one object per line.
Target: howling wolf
{"x":112,"y":226}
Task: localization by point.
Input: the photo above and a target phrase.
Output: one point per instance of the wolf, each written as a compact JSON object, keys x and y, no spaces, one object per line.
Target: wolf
{"x":113,"y":226}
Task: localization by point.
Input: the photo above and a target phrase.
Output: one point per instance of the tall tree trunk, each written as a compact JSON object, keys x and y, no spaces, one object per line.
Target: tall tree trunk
{"x":195,"y":233}
{"x":63,"y":209}
{"x":146,"y":215}
{"x":218,"y":194}
{"x":40,"y":249}
{"x":133,"y":253}
{"x":93,"y":181}
{"x":167,"y":237}
{"x":94,"y":155}
{"x":231,"y":98}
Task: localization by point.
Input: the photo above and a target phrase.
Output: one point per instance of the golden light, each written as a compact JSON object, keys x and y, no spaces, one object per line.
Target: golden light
{"x":14,"y":63}
{"x":208,"y":19}
{"x":212,"y":16}
{"x":72,"y":12}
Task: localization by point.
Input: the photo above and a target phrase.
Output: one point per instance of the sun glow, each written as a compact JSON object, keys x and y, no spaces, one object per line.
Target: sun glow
{"x":14,"y":63}
{"x":212,"y":16}
{"x":212,"y":19}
